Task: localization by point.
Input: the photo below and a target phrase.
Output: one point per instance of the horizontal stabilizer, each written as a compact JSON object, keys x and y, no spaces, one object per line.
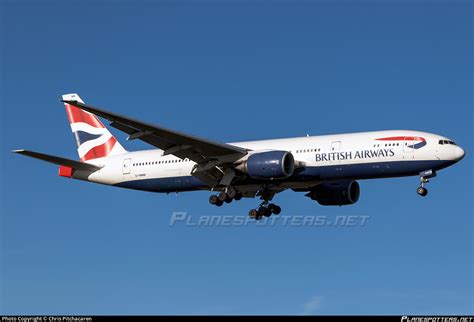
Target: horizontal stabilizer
{"x":76,"y":165}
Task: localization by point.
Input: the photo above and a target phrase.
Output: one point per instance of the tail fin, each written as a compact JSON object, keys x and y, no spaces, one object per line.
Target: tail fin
{"x":92,"y":137}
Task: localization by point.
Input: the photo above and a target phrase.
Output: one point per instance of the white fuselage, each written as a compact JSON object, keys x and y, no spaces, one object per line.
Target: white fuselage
{"x":320,"y":158}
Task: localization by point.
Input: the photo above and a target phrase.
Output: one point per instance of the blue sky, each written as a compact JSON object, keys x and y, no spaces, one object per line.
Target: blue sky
{"x":232,"y":71}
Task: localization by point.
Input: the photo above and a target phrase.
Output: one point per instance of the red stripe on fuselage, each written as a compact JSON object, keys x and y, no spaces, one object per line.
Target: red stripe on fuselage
{"x":403,"y":138}
{"x":77,"y":115}
{"x":100,"y":151}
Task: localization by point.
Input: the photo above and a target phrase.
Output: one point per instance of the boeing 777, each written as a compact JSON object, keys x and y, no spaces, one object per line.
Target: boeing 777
{"x":324,"y":167}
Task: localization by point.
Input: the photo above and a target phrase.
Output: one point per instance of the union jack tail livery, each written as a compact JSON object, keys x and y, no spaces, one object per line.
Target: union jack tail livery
{"x":93,"y":139}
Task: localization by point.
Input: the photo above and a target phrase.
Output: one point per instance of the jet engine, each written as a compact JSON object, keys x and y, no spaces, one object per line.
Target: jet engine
{"x":268,"y":165}
{"x":338,"y":193}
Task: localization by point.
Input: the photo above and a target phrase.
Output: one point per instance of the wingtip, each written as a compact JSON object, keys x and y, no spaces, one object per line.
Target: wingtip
{"x":72,"y":102}
{"x":18,"y":151}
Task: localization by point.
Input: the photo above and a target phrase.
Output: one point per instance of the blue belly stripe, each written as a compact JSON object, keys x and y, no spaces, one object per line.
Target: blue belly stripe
{"x":372,"y":170}
{"x":171,"y":184}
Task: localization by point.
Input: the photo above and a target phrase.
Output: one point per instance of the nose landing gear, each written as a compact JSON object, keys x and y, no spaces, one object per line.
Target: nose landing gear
{"x":424,"y":179}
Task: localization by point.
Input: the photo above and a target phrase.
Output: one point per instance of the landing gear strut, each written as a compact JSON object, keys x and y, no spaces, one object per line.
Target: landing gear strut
{"x":424,"y":179}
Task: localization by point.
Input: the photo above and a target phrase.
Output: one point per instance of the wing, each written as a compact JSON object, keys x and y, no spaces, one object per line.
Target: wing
{"x":172,"y":142}
{"x":211,"y":157}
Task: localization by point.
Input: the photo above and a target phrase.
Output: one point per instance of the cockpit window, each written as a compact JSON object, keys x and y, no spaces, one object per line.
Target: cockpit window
{"x":442,"y":142}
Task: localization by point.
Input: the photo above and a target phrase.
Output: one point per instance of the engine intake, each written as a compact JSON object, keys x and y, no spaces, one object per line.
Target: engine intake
{"x":338,"y":193}
{"x":269,"y":165}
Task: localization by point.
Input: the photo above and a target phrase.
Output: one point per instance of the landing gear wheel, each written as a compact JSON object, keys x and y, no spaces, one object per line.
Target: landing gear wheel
{"x":262,"y":211}
{"x":222,"y":196}
{"x":253,"y":213}
{"x":228,"y":200}
{"x":422,"y":191}
{"x":219,"y":203}
{"x":238,"y":195}
{"x":268,"y":212}
{"x":213,"y":199}
{"x":231,"y":193}
{"x":276,"y":210}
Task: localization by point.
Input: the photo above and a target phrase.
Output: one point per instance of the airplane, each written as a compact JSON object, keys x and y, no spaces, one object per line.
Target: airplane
{"x":324,"y":167}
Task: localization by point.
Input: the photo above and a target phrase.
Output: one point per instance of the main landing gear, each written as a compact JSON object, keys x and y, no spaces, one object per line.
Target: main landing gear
{"x":424,"y":179}
{"x":265,"y":209}
{"x":225,"y":196}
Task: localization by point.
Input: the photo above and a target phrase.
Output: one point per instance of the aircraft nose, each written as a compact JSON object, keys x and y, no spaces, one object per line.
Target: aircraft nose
{"x":459,"y":153}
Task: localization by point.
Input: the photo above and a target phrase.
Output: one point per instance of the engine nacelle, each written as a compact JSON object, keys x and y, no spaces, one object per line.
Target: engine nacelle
{"x":337,"y":193}
{"x":269,"y":165}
